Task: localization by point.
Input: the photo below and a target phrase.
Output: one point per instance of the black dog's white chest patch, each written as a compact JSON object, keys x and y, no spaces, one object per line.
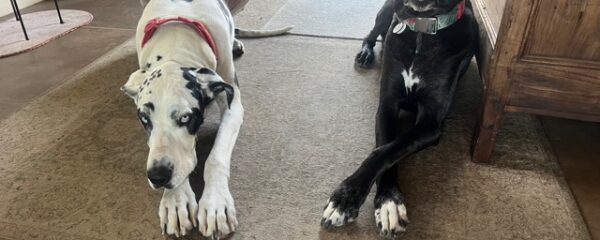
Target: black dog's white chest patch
{"x":410,"y":79}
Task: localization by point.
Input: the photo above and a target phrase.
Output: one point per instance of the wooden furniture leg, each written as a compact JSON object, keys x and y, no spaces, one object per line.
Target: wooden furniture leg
{"x":496,"y":73}
{"x":540,"y":61}
{"x":486,"y":129}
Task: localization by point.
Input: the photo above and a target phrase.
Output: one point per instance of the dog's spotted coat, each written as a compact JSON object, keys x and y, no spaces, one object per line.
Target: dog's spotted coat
{"x":179,"y":77}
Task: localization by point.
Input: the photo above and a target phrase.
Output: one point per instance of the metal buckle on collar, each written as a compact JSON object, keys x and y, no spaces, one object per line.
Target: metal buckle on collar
{"x":426,"y":25}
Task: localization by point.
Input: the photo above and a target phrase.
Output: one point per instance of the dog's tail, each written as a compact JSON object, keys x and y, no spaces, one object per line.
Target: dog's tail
{"x":246,"y":33}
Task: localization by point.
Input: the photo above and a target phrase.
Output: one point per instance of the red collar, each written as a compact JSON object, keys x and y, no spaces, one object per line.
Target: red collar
{"x":200,"y":28}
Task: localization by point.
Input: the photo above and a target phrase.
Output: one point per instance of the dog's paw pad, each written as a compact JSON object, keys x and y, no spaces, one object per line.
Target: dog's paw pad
{"x":391,"y":219}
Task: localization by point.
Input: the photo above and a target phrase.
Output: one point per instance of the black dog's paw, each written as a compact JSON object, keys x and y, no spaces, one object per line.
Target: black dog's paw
{"x":342,"y":207}
{"x":365,"y":57}
{"x":390,"y":216}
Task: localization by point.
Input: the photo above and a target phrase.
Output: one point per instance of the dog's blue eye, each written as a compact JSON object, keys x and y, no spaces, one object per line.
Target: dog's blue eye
{"x":184,"y":118}
{"x":144,"y":119}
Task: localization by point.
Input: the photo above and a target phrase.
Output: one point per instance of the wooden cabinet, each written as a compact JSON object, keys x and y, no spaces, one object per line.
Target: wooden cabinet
{"x":537,"y":56}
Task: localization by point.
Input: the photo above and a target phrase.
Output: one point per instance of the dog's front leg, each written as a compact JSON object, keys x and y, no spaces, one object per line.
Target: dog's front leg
{"x":178,"y":205}
{"x":344,"y":203}
{"x":217,"y":215}
{"x":366,"y":55}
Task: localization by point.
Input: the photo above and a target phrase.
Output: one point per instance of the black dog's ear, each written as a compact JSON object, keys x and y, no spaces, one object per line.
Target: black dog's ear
{"x":217,"y":87}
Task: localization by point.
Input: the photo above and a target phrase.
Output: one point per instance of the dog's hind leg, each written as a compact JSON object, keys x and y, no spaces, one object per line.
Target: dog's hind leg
{"x":365,"y":57}
{"x":238,"y":48}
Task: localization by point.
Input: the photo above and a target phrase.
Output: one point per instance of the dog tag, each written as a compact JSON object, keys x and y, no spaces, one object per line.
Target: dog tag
{"x":399,"y":28}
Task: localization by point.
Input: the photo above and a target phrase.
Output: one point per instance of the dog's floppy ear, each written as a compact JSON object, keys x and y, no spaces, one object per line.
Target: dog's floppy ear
{"x":214,"y":85}
{"x":219,"y":87}
{"x":132,"y":87}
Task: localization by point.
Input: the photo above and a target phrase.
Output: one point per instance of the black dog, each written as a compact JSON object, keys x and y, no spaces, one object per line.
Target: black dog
{"x":428,"y":45}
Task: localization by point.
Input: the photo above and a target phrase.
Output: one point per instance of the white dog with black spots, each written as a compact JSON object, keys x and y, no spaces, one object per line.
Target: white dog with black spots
{"x":185,"y":56}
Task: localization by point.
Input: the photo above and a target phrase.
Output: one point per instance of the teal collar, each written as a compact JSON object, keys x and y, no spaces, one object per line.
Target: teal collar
{"x":432,"y":24}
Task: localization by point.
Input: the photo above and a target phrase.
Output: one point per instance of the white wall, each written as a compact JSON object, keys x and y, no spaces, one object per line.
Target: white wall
{"x":5,"y":7}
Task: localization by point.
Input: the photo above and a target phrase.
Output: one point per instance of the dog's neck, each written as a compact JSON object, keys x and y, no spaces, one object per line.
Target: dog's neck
{"x":431,"y":25}
{"x":179,"y":43}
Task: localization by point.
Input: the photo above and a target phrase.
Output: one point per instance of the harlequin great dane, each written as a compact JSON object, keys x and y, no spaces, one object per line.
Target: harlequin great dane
{"x":185,"y":53}
{"x":427,"y":47}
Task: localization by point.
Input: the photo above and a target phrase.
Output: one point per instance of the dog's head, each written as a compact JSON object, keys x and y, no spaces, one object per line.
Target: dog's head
{"x":170,"y":103}
{"x":424,"y":8}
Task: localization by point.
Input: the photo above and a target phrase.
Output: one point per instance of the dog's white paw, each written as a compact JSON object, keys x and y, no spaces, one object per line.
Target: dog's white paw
{"x":343,"y":205}
{"x":334,"y":216}
{"x":177,"y":210}
{"x":391,"y":219}
{"x":216,"y":214}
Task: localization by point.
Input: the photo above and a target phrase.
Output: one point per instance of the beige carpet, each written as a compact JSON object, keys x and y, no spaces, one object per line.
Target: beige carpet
{"x":41,"y":27}
{"x":72,"y":163}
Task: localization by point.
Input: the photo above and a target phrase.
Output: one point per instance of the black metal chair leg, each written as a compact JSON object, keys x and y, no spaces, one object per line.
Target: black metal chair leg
{"x":18,"y":12}
{"x":58,"y":11}
{"x":14,"y":10}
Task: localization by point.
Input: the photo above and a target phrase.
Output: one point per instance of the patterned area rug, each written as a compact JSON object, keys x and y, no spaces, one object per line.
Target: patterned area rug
{"x":41,"y":27}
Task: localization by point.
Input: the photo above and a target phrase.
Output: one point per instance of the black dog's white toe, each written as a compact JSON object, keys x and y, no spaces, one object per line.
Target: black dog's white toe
{"x":336,"y":217}
{"x":391,"y":218}
{"x":343,"y":205}
{"x":365,"y":57}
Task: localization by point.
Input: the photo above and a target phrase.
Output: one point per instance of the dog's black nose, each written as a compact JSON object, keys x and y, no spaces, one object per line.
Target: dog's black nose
{"x":160,"y":175}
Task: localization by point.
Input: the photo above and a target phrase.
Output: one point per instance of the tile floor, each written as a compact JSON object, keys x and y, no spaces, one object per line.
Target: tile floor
{"x":30,"y":75}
